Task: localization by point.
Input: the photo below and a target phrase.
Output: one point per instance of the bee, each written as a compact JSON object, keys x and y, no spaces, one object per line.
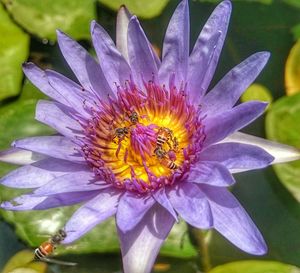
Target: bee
{"x":167,"y":162}
{"x":134,"y":118}
{"x":47,"y":248}
{"x":120,"y":133}
{"x":163,"y":136}
{"x":161,"y":155}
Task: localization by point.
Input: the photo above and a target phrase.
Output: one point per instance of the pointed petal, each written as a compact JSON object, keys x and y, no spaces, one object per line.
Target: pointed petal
{"x":199,"y":61}
{"x":217,"y":22}
{"x":22,"y":202}
{"x":220,"y":126}
{"x":280,"y":152}
{"x":161,"y":198}
{"x":141,"y":245}
{"x":123,"y":19}
{"x":237,"y":156}
{"x":176,"y":46}
{"x":92,"y":213}
{"x":54,"y":146}
{"x":39,"y":173}
{"x":72,"y":182}
{"x":110,"y":58}
{"x":233,"y":222}
{"x":51,"y":113}
{"x":191,"y":204}
{"x":141,"y":57}
{"x":38,"y":77}
{"x":227,"y":92}
{"x":31,"y":202}
{"x":211,"y":173}
{"x":20,"y":156}
{"x":76,"y":96}
{"x":86,"y":69}
{"x":131,"y":210}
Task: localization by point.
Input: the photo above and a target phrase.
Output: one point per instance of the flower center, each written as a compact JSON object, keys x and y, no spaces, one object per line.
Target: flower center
{"x":142,"y":141}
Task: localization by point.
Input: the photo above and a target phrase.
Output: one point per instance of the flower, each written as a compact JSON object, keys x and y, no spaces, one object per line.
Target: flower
{"x":143,"y":140}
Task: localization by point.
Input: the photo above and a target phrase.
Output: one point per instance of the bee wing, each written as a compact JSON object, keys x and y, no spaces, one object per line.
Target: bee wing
{"x":53,"y":261}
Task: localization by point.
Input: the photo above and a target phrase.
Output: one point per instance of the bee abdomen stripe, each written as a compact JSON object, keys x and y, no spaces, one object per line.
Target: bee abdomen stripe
{"x":39,"y":254}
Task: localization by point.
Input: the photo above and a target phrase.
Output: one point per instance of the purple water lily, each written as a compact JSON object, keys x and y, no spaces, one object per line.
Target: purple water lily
{"x":142,"y":139}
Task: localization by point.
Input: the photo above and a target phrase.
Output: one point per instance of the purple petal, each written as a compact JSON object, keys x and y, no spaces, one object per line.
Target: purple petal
{"x":39,"y":79}
{"x":86,"y":69}
{"x":20,"y":156}
{"x":76,"y":96}
{"x":123,"y":19}
{"x":54,"y":146}
{"x":72,"y":182}
{"x":161,"y":198}
{"x":191,"y":204}
{"x":232,"y":221}
{"x":22,"y":202}
{"x":31,"y":202}
{"x":211,"y":173}
{"x":226,"y":93}
{"x":110,"y":58}
{"x":220,"y":126}
{"x":176,"y":46}
{"x":141,"y":57}
{"x":92,"y":213}
{"x":39,"y":173}
{"x":131,"y":210}
{"x":199,"y":61}
{"x":51,"y":113}
{"x":281,"y":152}
{"x":141,"y":245}
{"x":237,"y":156}
{"x":217,"y":23}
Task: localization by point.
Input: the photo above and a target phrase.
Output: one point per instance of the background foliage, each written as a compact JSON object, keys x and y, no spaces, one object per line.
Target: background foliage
{"x":27,"y":29}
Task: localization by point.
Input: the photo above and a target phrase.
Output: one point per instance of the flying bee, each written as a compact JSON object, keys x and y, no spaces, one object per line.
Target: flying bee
{"x":161,"y":155}
{"x":163,"y":136}
{"x":47,"y":248}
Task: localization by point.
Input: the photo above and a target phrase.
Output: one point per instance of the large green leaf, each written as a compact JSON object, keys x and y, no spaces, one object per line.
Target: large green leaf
{"x":14,"y":47}
{"x":142,"y":8}
{"x":283,"y":125}
{"x":17,"y":121}
{"x":257,"y":92}
{"x":42,"y":18}
{"x":255,"y":267}
{"x":292,"y":69}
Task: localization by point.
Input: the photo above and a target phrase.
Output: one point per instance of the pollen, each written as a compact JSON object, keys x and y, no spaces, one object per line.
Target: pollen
{"x":142,"y":140}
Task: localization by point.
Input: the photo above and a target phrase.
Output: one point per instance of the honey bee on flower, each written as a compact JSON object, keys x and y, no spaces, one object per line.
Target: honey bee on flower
{"x":196,"y":149}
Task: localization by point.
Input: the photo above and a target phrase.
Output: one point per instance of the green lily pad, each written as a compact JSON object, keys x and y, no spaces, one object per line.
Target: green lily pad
{"x":144,"y":9}
{"x":257,"y":92}
{"x":22,"y":262}
{"x":42,"y":18}
{"x":255,"y":267}
{"x":17,"y":121}
{"x":283,"y":125}
{"x":14,"y":48}
{"x":294,"y":3}
{"x":292,"y":68}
